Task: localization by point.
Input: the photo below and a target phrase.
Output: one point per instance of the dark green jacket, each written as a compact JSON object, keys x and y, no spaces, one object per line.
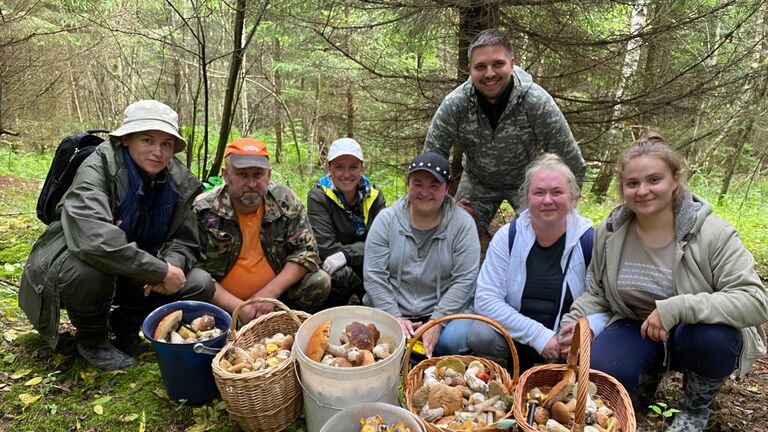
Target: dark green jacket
{"x":285,"y":231}
{"x":87,"y":230}
{"x":334,"y":229}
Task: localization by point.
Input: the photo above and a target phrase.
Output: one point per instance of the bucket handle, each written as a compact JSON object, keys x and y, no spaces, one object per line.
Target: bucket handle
{"x":236,"y":313}
{"x":199,"y":348}
{"x":308,"y":392}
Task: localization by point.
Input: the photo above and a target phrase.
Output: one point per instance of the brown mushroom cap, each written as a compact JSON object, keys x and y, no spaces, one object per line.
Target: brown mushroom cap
{"x":167,"y":325}
{"x":560,"y":413}
{"x":365,"y":358}
{"x":316,"y":345}
{"x":341,"y":362}
{"x":360,"y":336}
{"x":445,"y":396}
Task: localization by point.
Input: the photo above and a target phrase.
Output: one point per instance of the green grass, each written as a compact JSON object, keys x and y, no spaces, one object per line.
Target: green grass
{"x":41,"y":390}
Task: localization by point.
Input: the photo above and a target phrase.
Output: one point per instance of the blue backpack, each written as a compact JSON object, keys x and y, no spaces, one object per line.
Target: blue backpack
{"x":586,"y":241}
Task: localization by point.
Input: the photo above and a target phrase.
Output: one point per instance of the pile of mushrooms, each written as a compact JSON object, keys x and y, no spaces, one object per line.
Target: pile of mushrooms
{"x":376,"y":424}
{"x":555,"y":410}
{"x":172,"y":330}
{"x":268,"y":352}
{"x":360,"y":345}
{"x":456,"y":397}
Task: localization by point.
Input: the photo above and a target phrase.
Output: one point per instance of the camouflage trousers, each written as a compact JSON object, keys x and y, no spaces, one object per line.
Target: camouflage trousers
{"x":310,"y":294}
{"x":485,"y":199}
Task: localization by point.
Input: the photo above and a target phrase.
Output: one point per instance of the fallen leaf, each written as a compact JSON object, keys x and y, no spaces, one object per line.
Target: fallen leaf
{"x":102,"y":400}
{"x":9,"y":335}
{"x":143,"y":424}
{"x":197,"y":428}
{"x":129,"y":417}
{"x":34,"y":381}
{"x":160,"y":393}
{"x":98,"y":409}
{"x":20,"y":373}
{"x":88,"y":377}
{"x":9,"y":358}
{"x":28,"y":399}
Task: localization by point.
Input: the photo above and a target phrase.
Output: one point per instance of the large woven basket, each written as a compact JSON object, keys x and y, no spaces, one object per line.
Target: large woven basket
{"x":414,"y":379}
{"x":608,"y":388}
{"x":267,"y":400}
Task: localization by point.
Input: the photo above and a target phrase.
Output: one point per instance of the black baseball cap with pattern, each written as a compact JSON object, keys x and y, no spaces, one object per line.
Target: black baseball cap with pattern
{"x":434,"y":164}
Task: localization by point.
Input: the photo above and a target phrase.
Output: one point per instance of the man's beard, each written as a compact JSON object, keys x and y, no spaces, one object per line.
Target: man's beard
{"x":250,"y":200}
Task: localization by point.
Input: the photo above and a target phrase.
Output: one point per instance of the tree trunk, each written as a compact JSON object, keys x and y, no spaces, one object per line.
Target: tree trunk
{"x":278,"y":105}
{"x":472,"y":20}
{"x":232,"y":79}
{"x":617,"y":131}
{"x":350,"y":92}
{"x":755,"y":91}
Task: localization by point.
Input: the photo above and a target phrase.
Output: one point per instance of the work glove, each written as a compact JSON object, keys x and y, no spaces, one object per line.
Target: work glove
{"x":334,"y":262}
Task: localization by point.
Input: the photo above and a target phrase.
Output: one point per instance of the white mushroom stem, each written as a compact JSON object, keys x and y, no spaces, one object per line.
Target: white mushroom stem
{"x":484,"y":404}
{"x":381,"y":351}
{"x":554,"y":426}
{"x":352,"y":354}
{"x":327,"y":360}
{"x":431,"y":414}
{"x":500,"y":405}
{"x":336,"y":350}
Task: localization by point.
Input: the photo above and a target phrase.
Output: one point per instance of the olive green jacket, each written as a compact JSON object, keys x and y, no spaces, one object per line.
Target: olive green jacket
{"x":87,"y":230}
{"x":714,"y":276}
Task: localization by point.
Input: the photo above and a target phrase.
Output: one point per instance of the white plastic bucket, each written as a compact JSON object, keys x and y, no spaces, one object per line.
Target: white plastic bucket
{"x":349,"y":419}
{"x":327,"y":389}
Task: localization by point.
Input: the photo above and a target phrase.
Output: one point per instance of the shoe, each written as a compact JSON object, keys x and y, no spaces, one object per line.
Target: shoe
{"x":126,"y":333}
{"x":699,"y":392}
{"x":103,"y":355}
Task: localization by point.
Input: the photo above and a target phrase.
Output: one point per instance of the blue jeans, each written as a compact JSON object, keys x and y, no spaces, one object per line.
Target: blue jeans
{"x":453,"y":338}
{"x":708,"y":350}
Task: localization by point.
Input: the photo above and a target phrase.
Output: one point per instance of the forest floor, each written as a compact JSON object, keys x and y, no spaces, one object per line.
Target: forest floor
{"x":43,"y":390}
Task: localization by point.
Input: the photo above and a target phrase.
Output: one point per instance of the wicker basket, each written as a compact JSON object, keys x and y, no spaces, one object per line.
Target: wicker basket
{"x":270,"y":399}
{"x":414,"y":379}
{"x":609,"y":389}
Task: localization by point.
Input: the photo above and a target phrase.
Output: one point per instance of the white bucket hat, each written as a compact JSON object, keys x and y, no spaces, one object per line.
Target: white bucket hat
{"x":147,"y":115}
{"x":345,"y":146}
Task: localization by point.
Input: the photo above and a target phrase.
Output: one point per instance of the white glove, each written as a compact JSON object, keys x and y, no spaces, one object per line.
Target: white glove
{"x":334,"y":262}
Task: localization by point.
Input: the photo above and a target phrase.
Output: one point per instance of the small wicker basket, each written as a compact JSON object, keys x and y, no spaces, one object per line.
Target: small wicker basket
{"x":413,"y":380}
{"x":609,"y":389}
{"x":270,"y":399}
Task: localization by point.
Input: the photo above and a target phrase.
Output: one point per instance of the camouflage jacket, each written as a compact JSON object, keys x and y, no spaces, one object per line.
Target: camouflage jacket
{"x":530,"y":124}
{"x":285,"y":231}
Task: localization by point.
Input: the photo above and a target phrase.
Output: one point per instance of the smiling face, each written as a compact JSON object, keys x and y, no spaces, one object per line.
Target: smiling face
{"x":151,"y":150}
{"x":345,"y":173}
{"x":649,"y":186}
{"x":426,"y":193}
{"x":247,"y":186}
{"x":491,"y":69}
{"x":549,"y":199}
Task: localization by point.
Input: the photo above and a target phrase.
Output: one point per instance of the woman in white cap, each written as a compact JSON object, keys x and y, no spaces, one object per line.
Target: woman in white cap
{"x":422,"y":257}
{"x":127,"y":236}
{"x":342,"y":206}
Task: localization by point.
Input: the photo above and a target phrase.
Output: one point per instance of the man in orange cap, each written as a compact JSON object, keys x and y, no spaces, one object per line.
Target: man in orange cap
{"x":259,"y":242}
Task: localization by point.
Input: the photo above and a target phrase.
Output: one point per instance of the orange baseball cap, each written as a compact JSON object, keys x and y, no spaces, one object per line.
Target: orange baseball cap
{"x":247,"y":153}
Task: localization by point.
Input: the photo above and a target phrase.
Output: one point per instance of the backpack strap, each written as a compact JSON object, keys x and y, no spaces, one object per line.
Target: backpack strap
{"x":586,"y":240}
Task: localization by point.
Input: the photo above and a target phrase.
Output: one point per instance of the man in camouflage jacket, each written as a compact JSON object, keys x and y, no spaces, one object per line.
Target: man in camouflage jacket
{"x":502,"y":121}
{"x":286,"y":241}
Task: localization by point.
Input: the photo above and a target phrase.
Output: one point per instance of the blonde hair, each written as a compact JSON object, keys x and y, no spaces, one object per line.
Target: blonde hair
{"x":650,"y":144}
{"x":548,"y":162}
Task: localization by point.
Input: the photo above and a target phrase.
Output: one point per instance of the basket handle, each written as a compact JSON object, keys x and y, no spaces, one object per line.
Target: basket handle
{"x":236,"y":313}
{"x":579,"y":358}
{"x":423,"y":329}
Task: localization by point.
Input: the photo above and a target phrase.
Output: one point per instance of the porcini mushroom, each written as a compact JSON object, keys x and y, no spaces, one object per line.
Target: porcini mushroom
{"x":318,"y":341}
{"x":445,"y":396}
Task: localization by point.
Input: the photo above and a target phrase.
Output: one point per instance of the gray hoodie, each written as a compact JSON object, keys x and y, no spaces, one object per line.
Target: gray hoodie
{"x":442,"y":282}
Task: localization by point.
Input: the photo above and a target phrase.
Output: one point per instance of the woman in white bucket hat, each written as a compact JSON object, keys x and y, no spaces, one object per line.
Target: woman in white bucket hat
{"x":127,"y":237}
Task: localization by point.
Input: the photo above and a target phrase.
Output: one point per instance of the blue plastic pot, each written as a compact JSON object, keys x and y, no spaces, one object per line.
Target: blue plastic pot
{"x":187,"y":374}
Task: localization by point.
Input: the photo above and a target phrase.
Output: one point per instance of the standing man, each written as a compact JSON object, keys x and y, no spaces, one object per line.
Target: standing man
{"x":259,"y":242}
{"x":502,"y":121}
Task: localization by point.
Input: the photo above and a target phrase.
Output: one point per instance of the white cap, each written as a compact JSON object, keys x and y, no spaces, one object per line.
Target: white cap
{"x":345,"y":146}
{"x":147,"y":115}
